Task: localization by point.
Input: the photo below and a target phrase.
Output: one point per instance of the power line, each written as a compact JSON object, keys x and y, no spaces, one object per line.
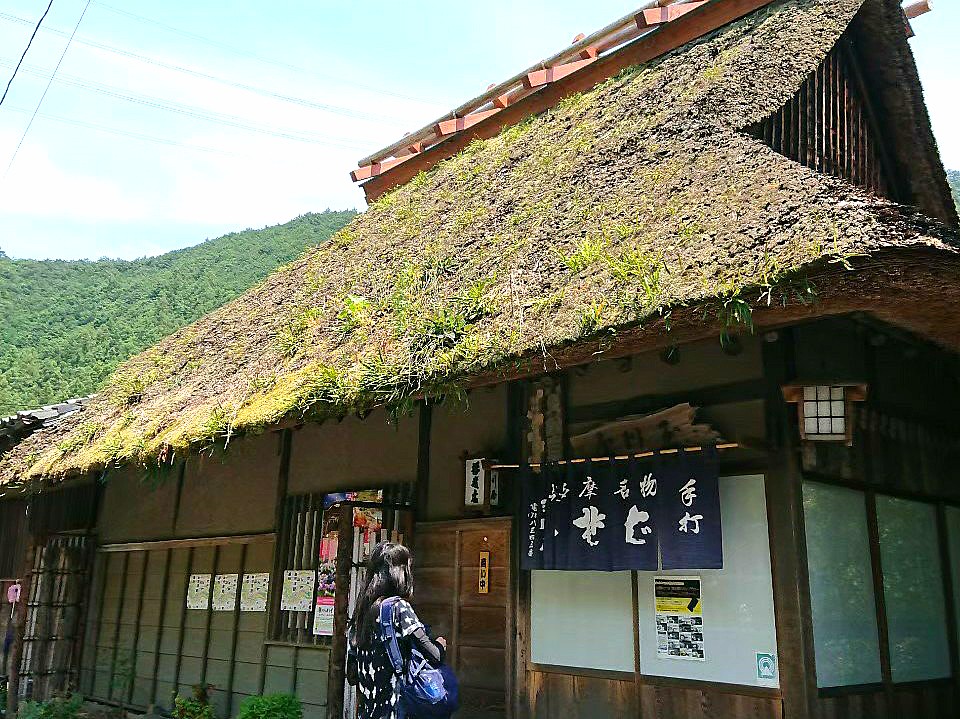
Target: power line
{"x":196,"y":112}
{"x":256,"y":56}
{"x":206,"y":76}
{"x":214,"y":78}
{"x":126,"y":133}
{"x":26,"y":50}
{"x":46,"y":89}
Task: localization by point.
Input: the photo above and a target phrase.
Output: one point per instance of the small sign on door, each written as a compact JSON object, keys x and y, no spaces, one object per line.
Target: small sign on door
{"x":483,"y":585}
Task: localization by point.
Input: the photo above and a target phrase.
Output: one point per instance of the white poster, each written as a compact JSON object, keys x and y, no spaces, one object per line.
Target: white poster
{"x":297,"y":595}
{"x":225,"y":592}
{"x":198,"y":591}
{"x":254,"y":591}
{"x":679,"y":612}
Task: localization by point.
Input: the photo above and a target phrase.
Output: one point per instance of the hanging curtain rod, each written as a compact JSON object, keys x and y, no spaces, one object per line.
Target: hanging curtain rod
{"x":651,"y":453}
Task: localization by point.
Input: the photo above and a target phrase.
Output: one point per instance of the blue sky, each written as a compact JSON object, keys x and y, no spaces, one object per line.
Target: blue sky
{"x":147,"y":142}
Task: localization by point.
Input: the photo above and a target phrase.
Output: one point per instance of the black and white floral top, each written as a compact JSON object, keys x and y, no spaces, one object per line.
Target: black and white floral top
{"x":375,"y":679}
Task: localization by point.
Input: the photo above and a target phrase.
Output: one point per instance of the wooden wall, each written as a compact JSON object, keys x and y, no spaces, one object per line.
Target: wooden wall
{"x":905,"y":443}
{"x":143,"y":643}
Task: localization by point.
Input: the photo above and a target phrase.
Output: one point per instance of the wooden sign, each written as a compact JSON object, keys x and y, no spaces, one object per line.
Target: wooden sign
{"x":483,"y":585}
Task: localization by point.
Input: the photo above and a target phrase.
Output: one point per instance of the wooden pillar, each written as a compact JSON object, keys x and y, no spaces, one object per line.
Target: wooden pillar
{"x":423,"y":460}
{"x":338,"y":650}
{"x":19,"y":624}
{"x":788,"y":554}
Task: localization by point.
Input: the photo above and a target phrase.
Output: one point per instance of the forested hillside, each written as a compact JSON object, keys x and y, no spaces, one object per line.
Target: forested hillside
{"x":953,"y":177}
{"x":67,"y":325}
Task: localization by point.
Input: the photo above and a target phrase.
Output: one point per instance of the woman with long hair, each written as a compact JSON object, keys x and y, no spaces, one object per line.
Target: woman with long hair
{"x":389,"y":574}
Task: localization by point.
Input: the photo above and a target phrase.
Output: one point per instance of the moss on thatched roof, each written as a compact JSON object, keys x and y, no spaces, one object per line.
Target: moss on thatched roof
{"x":605,"y":214}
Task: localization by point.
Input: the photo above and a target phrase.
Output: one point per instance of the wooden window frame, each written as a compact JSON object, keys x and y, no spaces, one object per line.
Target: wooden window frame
{"x":939,"y":504}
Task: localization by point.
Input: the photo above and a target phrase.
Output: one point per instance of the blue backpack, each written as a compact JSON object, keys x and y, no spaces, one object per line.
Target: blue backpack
{"x":424,"y":690}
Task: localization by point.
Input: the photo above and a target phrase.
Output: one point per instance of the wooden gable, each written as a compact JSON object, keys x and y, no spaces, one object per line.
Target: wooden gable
{"x":830,"y":125}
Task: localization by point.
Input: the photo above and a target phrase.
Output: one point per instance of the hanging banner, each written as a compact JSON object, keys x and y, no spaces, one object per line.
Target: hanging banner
{"x":689,"y":498}
{"x":613,"y":515}
{"x":679,"y":613}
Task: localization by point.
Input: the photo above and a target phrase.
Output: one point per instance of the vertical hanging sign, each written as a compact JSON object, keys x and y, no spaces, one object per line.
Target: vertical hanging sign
{"x":483,"y":582}
{"x":474,"y":486}
{"x":689,"y":511}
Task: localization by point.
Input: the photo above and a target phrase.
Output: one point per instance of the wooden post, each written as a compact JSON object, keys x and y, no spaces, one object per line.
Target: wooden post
{"x":338,"y":650}
{"x":19,"y":623}
{"x":788,"y":555}
{"x":423,"y":460}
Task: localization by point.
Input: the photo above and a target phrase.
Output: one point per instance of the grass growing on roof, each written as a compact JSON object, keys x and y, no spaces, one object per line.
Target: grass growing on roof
{"x":615,"y":208}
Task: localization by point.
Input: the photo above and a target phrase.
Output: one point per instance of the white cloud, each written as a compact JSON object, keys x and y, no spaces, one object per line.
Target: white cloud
{"x":38,"y":186}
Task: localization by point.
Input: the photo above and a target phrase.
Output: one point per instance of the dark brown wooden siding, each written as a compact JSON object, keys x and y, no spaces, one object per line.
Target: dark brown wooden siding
{"x":829,"y":126}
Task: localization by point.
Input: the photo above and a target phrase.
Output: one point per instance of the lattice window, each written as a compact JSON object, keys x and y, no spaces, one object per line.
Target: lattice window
{"x":322,"y":545}
{"x":829,"y":126}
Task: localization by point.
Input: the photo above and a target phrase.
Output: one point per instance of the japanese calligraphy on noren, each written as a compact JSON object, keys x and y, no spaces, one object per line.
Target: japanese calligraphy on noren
{"x":623,"y":514}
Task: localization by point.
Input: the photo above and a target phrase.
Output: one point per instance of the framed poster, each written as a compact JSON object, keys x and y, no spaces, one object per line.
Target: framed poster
{"x":297,"y":594}
{"x":254,"y":591}
{"x":225,"y":592}
{"x":198,"y":591}
{"x":679,"y":613}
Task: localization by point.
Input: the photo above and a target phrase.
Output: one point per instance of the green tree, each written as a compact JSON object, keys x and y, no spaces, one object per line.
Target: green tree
{"x":67,"y":325}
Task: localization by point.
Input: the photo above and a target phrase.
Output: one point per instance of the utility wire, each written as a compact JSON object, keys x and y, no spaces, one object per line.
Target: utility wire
{"x":214,"y":78}
{"x":255,"y":56}
{"x":26,"y":50}
{"x":193,"y":111}
{"x":127,"y":133}
{"x":45,"y":90}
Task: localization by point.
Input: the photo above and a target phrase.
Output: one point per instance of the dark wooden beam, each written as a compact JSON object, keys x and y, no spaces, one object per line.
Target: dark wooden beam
{"x":338,"y":649}
{"x":19,"y":624}
{"x":788,"y":551}
{"x":743,"y":391}
{"x":423,"y":459}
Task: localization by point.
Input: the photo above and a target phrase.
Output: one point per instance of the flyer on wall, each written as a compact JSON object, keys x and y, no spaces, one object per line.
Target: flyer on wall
{"x":679,"y":614}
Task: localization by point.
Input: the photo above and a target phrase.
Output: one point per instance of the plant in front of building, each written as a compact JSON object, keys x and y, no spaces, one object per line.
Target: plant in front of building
{"x":197,"y":706}
{"x":271,"y":706}
{"x":59,"y":707}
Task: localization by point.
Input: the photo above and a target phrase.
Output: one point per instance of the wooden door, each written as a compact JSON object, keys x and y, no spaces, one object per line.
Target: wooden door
{"x":478,"y":627}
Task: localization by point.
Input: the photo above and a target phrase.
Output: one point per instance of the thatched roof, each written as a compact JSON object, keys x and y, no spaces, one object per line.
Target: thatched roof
{"x":637,"y":213}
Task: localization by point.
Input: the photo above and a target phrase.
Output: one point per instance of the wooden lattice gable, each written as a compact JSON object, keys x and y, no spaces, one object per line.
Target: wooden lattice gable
{"x":830,"y":125}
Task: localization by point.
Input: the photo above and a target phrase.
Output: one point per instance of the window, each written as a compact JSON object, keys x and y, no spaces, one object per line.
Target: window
{"x":738,"y":617}
{"x":582,"y":619}
{"x":846,"y":644}
{"x":842,"y":562}
{"x":586,"y":619}
{"x":913,"y":590}
{"x":323,"y":537}
{"x":953,"y":537}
